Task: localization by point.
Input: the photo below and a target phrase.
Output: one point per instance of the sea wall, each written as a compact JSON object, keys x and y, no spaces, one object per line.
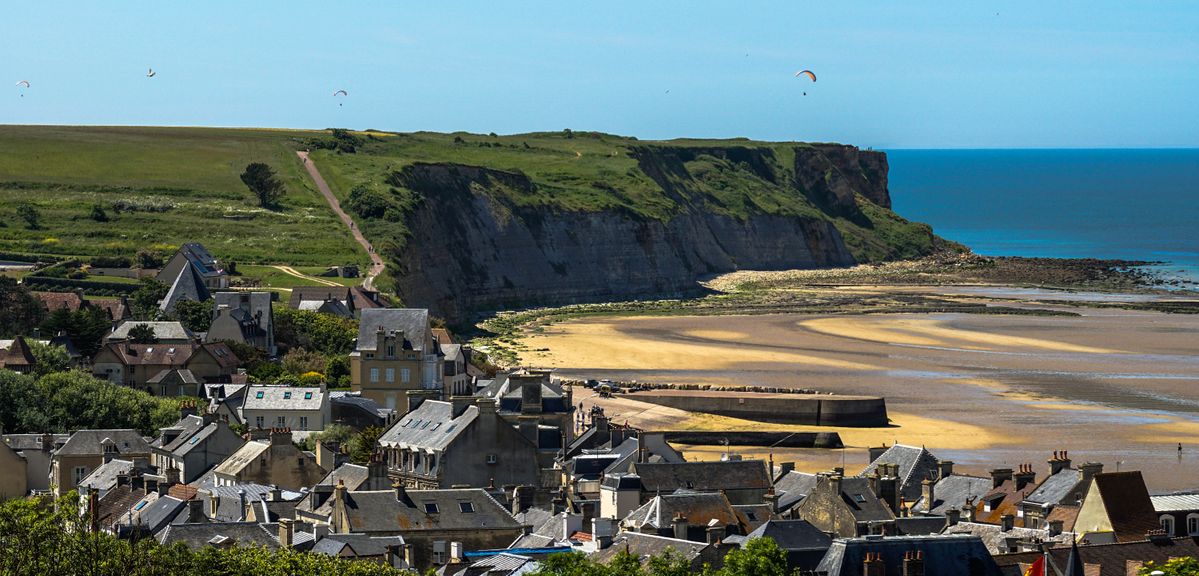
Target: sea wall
{"x":815,"y":410}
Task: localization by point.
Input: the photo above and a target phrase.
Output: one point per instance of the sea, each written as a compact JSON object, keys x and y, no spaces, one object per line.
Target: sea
{"x":1136,"y":204}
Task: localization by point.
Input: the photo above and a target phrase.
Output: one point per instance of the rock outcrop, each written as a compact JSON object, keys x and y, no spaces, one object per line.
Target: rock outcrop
{"x":471,"y":249}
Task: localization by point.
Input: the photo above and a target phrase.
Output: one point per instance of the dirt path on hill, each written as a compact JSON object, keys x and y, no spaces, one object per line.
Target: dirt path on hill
{"x":376,"y":262}
{"x":293,"y":272}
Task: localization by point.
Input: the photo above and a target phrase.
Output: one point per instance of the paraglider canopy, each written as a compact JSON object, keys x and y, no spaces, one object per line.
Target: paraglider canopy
{"x":24,"y":83}
{"x":341,"y":93}
{"x":807,"y":73}
{"x":151,"y":73}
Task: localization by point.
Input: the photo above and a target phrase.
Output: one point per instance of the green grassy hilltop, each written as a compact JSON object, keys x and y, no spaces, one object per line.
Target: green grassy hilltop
{"x":159,"y":187}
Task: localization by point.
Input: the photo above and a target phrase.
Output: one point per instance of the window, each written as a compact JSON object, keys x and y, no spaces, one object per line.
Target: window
{"x":391,"y":374}
{"x":374,"y":374}
{"x":282,"y":421}
{"x":80,"y":473}
{"x":258,"y":423}
{"x":1193,"y":524}
{"x":466,"y":507}
{"x":287,"y":395}
{"x":110,"y":449}
{"x":492,"y":459}
{"x":391,"y":349}
{"x":430,"y":507}
{"x":404,"y":375}
{"x":303,"y":422}
{"x":1167,"y":523}
{"x":259,"y":394}
{"x":308,"y":395}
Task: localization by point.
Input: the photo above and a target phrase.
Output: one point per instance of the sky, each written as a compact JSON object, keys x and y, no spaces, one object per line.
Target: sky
{"x":910,"y":74}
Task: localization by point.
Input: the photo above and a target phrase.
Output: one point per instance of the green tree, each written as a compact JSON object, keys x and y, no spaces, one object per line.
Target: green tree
{"x":339,"y":433}
{"x":85,"y":327}
{"x":1183,"y":566}
{"x":363,"y":445}
{"x":759,"y":557}
{"x":143,"y":334}
{"x":324,"y":333}
{"x":147,"y":259}
{"x":262,"y":182}
{"x":195,"y":315}
{"x":145,"y":299}
{"x":299,"y":361}
{"x":74,"y":400}
{"x":31,"y":216}
{"x":98,"y":213}
{"x":49,"y":358}
{"x":20,"y":311}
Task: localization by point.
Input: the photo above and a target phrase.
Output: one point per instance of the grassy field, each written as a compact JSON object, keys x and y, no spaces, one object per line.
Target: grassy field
{"x":272,"y":277}
{"x":177,"y":184}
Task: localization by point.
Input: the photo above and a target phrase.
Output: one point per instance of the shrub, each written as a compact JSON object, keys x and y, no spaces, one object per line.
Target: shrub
{"x":98,"y":214}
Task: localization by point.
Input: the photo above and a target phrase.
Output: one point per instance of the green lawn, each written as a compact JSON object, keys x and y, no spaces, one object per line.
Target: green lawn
{"x":182,"y":183}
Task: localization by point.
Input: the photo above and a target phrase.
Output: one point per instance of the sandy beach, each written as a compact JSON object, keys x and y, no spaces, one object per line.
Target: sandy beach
{"x":1109,"y":385}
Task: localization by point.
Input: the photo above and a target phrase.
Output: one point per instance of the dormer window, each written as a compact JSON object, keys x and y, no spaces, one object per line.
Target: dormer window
{"x":287,"y":395}
{"x":308,"y":395}
{"x":259,"y":395}
{"x":391,"y":349}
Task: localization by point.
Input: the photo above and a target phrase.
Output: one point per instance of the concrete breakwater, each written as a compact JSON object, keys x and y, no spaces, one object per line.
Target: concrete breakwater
{"x":810,"y":409}
{"x":767,"y":439}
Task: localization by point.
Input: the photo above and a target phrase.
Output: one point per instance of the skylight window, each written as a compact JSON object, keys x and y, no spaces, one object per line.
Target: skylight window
{"x":259,"y":395}
{"x":140,"y":505}
{"x":466,"y":507}
{"x":308,"y":395}
{"x":287,"y":395}
{"x":430,"y":507}
{"x":859,"y":498}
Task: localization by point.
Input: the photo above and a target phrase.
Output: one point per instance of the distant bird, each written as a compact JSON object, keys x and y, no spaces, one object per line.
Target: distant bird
{"x":668,"y":91}
{"x":151,"y":73}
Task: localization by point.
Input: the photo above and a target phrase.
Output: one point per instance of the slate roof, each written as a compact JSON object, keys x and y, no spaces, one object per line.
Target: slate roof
{"x":335,"y":307}
{"x":301,"y":294}
{"x":174,"y":376}
{"x":187,"y":285}
{"x":1057,"y":488}
{"x":1004,"y":499}
{"x":702,"y":476}
{"x":915,"y":464}
{"x":158,"y":514}
{"x":1067,"y":514}
{"x":1113,"y":559}
{"x":116,"y":505}
{"x":956,"y":555}
{"x":197,"y":536}
{"x":793,"y":535}
{"x":201,"y":258}
{"x":363,"y":545}
{"x":997,"y":540}
{"x":186,"y":427}
{"x":502,"y":564}
{"x":162,"y":330}
{"x":413,"y":322}
{"x":271,"y":397}
{"x":236,"y":462}
{"x":919,"y":525}
{"x":1127,"y":502}
{"x":117,"y":309}
{"x":32,"y":441}
{"x":432,"y":426}
{"x":104,"y":477}
{"x":793,"y":487}
{"x":700,"y":509}
{"x":644,"y":546}
{"x":1183,"y":502}
{"x":229,"y":500}
{"x":380,"y":511}
{"x":357,"y":400}
{"x":88,"y":442}
{"x":952,"y":492}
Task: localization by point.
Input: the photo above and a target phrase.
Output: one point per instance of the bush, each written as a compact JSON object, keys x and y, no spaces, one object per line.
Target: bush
{"x":111,"y":262}
{"x":300,"y":361}
{"x":30,"y":215}
{"x":98,"y":214}
{"x":330,"y":335}
{"x":147,"y":259}
{"x":366,"y":202}
{"x":65,"y":401}
{"x":262,"y":182}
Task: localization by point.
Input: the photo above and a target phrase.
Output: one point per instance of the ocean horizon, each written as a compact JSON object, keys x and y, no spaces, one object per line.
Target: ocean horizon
{"x":1128,"y":204}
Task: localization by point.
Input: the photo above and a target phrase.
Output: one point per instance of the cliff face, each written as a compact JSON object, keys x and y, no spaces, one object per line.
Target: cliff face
{"x":472,"y":249}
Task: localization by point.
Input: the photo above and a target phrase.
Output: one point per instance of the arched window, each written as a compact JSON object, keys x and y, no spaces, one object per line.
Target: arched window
{"x":1193,"y":524}
{"x":1167,"y":522}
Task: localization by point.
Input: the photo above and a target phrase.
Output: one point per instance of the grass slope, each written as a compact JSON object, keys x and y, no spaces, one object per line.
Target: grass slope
{"x":183,"y":184}
{"x":593,"y":171}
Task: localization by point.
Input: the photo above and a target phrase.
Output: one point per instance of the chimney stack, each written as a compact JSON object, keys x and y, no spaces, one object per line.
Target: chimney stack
{"x":1089,"y":470}
{"x":944,"y":469}
{"x":1007,"y":522}
{"x":286,"y":533}
{"x":195,"y":511}
{"x":913,"y":563}
{"x":928,"y":491}
{"x":876,"y":451}
{"x":241,"y":498}
{"x":873,"y":565}
{"x":1025,"y":476}
{"x":679,"y":524}
{"x":1055,"y":527}
{"x":999,"y":475}
{"x":715,"y":533}
{"x":401,"y":492}
{"x":952,"y":517}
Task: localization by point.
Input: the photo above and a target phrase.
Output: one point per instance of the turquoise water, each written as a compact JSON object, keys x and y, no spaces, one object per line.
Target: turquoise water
{"x":1126,"y":204}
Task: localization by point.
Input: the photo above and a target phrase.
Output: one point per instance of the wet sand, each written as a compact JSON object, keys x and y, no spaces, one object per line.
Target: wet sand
{"x":983,"y":390}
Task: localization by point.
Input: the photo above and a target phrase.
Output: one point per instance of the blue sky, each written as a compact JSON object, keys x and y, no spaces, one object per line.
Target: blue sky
{"x":891,"y":74}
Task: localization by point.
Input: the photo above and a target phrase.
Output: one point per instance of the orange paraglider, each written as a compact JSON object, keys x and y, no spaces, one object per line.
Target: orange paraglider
{"x":807,"y":73}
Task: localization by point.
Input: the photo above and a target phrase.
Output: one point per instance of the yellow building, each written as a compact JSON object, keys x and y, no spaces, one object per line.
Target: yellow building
{"x":397,"y":361}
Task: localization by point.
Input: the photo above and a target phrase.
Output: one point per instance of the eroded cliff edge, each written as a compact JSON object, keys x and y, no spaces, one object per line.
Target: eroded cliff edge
{"x":527,"y":228}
